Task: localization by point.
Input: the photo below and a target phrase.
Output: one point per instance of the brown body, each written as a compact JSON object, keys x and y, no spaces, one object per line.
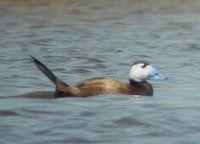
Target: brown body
{"x":102,"y":86}
{"x":95,"y":86}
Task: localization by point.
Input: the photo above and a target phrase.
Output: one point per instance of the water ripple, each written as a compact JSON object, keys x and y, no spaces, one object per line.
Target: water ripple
{"x":82,"y":39}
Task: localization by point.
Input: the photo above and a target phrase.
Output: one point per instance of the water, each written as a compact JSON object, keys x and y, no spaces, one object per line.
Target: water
{"x":83,"y":39}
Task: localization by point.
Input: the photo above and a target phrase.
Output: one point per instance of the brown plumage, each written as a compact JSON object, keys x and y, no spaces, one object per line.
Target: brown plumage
{"x":102,"y":86}
{"x":95,"y":86}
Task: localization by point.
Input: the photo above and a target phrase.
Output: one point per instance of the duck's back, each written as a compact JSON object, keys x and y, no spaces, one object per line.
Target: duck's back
{"x":101,"y":81}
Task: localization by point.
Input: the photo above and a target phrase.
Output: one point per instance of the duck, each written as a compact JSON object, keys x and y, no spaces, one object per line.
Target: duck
{"x":139,"y":73}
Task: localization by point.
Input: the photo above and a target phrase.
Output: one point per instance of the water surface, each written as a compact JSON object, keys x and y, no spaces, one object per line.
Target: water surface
{"x":82,"y":39}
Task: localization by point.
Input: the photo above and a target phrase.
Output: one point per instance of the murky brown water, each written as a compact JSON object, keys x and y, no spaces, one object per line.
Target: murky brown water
{"x":82,"y":39}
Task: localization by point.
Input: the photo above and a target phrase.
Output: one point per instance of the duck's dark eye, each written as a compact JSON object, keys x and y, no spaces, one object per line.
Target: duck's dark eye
{"x":144,"y":65}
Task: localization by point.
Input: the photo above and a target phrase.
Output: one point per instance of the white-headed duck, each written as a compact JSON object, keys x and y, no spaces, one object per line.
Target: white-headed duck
{"x":139,"y":73}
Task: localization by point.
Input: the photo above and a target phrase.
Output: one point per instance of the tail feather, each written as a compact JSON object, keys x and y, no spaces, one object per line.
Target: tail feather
{"x":47,"y":72}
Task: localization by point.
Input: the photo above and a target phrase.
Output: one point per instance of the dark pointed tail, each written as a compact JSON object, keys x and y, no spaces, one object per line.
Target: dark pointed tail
{"x":47,"y":72}
{"x":44,"y":69}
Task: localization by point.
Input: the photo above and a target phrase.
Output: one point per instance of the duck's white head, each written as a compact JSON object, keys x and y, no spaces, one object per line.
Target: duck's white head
{"x":142,"y":71}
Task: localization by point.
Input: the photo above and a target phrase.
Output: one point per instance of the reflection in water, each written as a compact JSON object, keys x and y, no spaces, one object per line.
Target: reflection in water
{"x":83,"y":39}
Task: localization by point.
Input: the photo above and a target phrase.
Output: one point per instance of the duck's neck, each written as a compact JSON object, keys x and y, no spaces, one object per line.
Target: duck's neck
{"x":143,"y":88}
{"x":133,"y":82}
